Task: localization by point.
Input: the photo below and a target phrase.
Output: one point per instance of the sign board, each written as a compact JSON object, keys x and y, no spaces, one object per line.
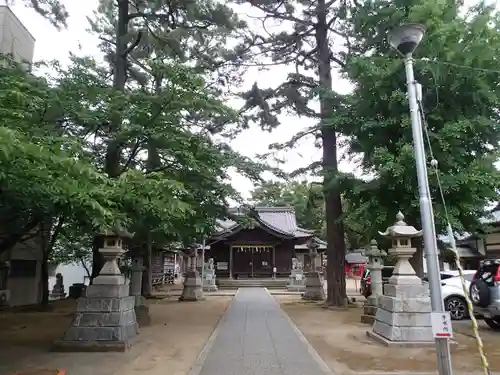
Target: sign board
{"x":223,"y":266}
{"x":441,"y":325}
{"x":298,"y":277}
{"x":208,"y":277}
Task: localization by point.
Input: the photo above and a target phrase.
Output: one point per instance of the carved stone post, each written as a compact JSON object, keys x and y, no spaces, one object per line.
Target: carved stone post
{"x":375,"y":265}
{"x":314,"y":283}
{"x":141,"y":310}
{"x":193,"y":285}
{"x":404,"y":310}
{"x":209,"y":284}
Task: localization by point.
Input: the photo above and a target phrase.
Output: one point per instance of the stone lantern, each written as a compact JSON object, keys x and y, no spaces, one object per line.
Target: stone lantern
{"x":105,"y":318}
{"x":314,"y":284}
{"x":375,"y":265}
{"x":403,"y":314}
{"x":193,"y":285}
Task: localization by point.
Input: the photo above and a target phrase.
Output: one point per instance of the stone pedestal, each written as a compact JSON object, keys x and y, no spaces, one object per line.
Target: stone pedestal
{"x":193,"y":287}
{"x":105,"y":318}
{"x":296,"y":281}
{"x":314,"y":283}
{"x":209,"y":276}
{"x":403,"y":315}
{"x":58,"y":289}
{"x":141,"y":310}
{"x":375,"y":265}
{"x":209,"y":284}
{"x":314,"y":287}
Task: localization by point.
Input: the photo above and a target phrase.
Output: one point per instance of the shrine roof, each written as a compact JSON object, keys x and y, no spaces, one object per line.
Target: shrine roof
{"x":355,"y":257}
{"x":279,"y":219}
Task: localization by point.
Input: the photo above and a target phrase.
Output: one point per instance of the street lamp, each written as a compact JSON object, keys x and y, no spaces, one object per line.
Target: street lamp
{"x":405,"y":39}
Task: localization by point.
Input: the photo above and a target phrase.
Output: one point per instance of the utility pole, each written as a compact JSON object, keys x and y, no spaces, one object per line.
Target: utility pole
{"x":405,"y":39}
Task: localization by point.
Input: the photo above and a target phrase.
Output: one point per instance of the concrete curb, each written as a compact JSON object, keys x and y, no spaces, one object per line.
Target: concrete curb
{"x":202,"y":357}
{"x":323,"y":366}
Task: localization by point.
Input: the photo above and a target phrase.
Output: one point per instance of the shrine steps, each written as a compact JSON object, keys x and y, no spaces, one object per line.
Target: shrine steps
{"x":252,"y":283}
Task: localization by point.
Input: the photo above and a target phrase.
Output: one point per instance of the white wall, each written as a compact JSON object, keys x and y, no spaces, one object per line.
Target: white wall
{"x":25,"y":290}
{"x":14,"y":37}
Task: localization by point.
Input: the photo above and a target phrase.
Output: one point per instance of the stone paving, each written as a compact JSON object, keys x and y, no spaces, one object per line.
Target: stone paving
{"x":256,"y":338}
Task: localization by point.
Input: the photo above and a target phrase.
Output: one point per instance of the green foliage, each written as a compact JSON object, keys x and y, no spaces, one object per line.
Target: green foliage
{"x":458,"y":69}
{"x":43,"y":170}
{"x":172,"y":179}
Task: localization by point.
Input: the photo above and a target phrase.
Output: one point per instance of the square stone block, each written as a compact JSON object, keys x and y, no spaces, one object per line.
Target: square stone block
{"x":104,"y":304}
{"x":394,"y":333}
{"x":99,"y":319}
{"x":406,"y":291}
{"x":403,"y":319}
{"x":417,"y":305}
{"x":109,"y":291}
{"x":110,"y":334}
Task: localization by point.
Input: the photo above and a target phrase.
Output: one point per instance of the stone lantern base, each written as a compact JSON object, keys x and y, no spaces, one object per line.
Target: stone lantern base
{"x":193,"y":287}
{"x":314,"y":287}
{"x":403,"y":316}
{"x":104,"y":321}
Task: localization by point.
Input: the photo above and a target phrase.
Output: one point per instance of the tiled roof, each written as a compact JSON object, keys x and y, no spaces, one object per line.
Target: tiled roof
{"x":321,"y":244}
{"x":355,"y":257}
{"x":279,"y":219}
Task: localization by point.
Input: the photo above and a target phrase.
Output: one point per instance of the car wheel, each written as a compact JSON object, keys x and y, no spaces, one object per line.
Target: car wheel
{"x":457,"y":307}
{"x":479,"y":293}
{"x":493,"y":323}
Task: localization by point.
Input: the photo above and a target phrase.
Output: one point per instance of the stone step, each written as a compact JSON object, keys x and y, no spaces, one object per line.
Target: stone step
{"x":253,"y":283}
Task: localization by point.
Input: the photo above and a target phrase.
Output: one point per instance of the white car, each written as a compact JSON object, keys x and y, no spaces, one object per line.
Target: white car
{"x":453,"y":293}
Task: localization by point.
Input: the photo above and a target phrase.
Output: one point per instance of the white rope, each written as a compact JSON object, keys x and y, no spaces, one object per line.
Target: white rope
{"x":434,"y":165}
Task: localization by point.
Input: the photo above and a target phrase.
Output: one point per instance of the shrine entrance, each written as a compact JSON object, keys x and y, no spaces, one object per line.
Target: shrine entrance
{"x":253,"y":261}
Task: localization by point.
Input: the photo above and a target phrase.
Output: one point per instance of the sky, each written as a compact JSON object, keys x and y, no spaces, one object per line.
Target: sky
{"x":52,"y":44}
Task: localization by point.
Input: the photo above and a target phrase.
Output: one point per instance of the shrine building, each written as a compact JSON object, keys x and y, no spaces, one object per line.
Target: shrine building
{"x":265,"y":238}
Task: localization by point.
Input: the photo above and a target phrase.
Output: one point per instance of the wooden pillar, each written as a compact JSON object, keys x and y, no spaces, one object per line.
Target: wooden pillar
{"x":230,"y":262}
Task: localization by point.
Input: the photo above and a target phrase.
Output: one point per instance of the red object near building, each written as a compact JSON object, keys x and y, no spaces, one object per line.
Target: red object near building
{"x":355,"y":263}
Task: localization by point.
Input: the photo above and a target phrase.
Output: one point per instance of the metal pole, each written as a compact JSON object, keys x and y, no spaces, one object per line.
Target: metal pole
{"x":203,"y":262}
{"x":427,"y":218}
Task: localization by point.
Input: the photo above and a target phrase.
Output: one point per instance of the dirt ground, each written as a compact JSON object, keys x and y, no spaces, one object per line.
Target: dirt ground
{"x":170,"y":345}
{"x":340,"y":339}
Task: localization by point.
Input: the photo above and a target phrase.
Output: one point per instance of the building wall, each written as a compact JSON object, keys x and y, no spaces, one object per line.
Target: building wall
{"x":283,"y":254}
{"x":15,"y":39}
{"x":24,"y":277}
{"x":492,"y":243}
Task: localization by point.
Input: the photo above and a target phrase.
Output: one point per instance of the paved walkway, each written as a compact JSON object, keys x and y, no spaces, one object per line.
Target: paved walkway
{"x":256,"y":338}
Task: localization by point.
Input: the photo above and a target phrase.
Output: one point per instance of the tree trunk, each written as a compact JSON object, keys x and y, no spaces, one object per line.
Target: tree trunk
{"x":44,"y":282}
{"x":97,"y":259}
{"x":147,"y":277}
{"x":113,"y":151}
{"x":335,"y":273}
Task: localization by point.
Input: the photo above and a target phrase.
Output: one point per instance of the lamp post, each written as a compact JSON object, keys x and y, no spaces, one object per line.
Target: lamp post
{"x":405,"y":39}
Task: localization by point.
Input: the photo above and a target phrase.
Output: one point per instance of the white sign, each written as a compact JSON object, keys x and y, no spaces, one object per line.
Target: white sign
{"x":298,"y":277}
{"x":441,"y":325}
{"x":222,"y":266}
{"x":208,"y":277}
